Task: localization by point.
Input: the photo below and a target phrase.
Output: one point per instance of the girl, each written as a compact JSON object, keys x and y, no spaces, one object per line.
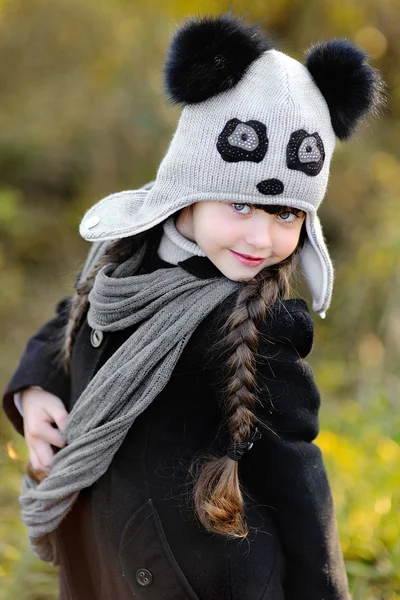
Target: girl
{"x":185,"y":410}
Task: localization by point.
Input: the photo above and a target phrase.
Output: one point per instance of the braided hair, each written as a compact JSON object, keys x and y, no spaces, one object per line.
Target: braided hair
{"x":217,"y":496}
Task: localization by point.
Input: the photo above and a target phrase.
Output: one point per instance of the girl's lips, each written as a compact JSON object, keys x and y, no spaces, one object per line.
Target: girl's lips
{"x":249,"y":257}
{"x":247,"y":261}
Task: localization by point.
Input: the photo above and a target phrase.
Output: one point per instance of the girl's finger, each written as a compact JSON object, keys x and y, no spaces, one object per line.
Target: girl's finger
{"x":34,"y":460}
{"x":58,"y":414}
{"x":51,"y":435}
{"x":44,"y":453}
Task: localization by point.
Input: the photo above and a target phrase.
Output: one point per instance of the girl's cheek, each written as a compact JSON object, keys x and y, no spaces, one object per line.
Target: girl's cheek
{"x":219,"y":231}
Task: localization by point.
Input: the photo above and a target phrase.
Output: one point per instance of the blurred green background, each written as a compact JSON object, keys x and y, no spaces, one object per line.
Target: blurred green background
{"x":83,"y":114}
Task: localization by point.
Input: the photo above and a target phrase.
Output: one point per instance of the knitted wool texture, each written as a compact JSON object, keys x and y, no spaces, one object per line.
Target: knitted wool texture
{"x":276,"y":91}
{"x":168,"y":305}
{"x":174,"y":247}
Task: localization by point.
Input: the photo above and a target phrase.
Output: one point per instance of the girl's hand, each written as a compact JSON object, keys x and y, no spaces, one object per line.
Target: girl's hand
{"x":41,"y":409}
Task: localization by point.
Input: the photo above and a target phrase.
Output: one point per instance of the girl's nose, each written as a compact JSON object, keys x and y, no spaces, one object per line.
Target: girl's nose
{"x":260,"y":233}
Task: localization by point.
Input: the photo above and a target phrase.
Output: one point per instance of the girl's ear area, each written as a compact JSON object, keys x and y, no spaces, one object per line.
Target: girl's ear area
{"x":210,"y":54}
{"x":351,"y":87}
{"x":183,"y":213}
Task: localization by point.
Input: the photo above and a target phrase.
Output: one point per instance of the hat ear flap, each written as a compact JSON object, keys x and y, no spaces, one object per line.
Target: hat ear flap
{"x":209,"y":55}
{"x":350,"y":86}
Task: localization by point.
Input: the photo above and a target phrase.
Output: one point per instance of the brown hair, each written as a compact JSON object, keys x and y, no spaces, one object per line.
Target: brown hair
{"x":217,"y":495}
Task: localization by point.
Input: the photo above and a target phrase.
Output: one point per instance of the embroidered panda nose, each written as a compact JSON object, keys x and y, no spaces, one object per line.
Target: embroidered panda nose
{"x":270,"y":187}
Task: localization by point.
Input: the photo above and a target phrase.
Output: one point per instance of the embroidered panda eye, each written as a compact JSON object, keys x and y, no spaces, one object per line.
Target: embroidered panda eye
{"x":305,"y":152}
{"x":244,"y":137}
{"x":243,"y":141}
{"x":308,"y":151}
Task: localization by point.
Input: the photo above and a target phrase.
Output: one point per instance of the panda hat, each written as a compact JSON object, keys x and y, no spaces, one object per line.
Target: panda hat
{"x":257,"y":127}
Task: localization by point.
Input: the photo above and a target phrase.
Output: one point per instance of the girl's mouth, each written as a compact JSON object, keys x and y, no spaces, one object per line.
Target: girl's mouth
{"x":245,"y":260}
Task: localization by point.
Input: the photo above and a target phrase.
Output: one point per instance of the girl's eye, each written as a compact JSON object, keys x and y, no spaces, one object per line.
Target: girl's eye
{"x":241,"y":205}
{"x":286,"y":219}
{"x":288,"y":212}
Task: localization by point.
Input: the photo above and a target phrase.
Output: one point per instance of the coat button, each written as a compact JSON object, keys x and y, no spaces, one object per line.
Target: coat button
{"x":96,"y":337}
{"x":144,"y":577}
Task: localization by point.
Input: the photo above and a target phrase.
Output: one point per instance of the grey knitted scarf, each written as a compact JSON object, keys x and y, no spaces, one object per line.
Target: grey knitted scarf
{"x":167,"y":305}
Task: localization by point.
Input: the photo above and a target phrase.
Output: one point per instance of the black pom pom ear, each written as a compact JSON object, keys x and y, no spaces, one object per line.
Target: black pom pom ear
{"x":209,"y":55}
{"x":352,"y":88}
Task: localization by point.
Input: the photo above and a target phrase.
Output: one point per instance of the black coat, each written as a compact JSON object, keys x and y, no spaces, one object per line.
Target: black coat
{"x":133,"y":533}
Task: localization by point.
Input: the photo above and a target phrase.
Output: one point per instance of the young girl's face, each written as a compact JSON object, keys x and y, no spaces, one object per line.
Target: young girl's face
{"x":224,"y":229}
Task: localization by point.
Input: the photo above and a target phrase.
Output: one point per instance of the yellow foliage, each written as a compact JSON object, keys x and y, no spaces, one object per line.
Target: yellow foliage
{"x":389,"y":451}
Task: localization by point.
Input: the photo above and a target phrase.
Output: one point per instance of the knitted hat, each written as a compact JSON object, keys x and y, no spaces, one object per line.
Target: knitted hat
{"x":257,"y":127}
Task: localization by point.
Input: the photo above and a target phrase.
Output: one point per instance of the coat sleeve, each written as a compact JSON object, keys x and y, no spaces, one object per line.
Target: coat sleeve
{"x":285,"y":469}
{"x":40,"y":365}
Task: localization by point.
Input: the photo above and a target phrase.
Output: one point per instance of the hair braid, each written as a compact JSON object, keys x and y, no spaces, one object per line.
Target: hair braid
{"x":217,"y":495}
